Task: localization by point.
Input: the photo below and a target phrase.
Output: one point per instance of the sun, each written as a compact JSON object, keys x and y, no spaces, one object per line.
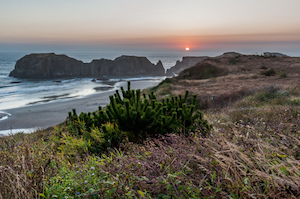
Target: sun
{"x":187,"y":48}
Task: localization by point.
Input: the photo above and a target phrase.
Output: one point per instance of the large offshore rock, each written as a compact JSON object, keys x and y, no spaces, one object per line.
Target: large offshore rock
{"x":50,"y":65}
{"x":47,"y":65}
{"x":274,"y":54}
{"x":127,"y":66}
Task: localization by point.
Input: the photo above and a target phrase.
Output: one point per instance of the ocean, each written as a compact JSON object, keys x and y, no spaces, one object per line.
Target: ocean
{"x":30,"y":92}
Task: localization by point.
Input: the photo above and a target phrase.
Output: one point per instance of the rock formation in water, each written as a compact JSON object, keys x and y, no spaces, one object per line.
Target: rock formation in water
{"x":274,"y":54}
{"x":50,"y":65}
{"x":184,"y":64}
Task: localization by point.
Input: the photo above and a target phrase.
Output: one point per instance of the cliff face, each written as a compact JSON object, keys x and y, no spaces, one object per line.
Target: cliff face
{"x":47,"y":65}
{"x":50,"y":65}
{"x":184,"y":64}
{"x":126,"y":66}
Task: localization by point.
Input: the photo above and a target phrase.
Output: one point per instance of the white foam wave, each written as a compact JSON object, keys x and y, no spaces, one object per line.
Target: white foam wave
{"x":6,"y":115}
{"x":69,"y":80}
{"x":14,"y":131}
{"x":33,"y":87}
{"x":138,"y":78}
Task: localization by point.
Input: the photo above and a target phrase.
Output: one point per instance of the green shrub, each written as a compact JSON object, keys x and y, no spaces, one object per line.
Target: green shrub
{"x":233,"y":61}
{"x":72,"y":146}
{"x":165,"y":83}
{"x":268,"y":96}
{"x":167,"y":80}
{"x":263,"y":67}
{"x":270,"y":72}
{"x":295,"y":101}
{"x":283,"y":75}
{"x":140,"y":117}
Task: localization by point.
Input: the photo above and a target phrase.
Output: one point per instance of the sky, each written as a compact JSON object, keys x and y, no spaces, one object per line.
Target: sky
{"x":247,"y":26}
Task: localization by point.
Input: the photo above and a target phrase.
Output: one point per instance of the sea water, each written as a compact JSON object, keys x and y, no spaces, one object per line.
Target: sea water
{"x":30,"y":91}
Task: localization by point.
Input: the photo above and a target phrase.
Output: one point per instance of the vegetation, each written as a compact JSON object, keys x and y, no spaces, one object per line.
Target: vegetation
{"x":233,"y":60}
{"x":270,"y":72}
{"x":283,"y":75}
{"x":137,"y":118}
{"x":252,"y":151}
{"x":202,"y":70}
{"x":263,"y":67}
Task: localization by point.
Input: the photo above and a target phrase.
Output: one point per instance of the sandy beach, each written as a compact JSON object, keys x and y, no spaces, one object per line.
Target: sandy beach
{"x":52,"y":113}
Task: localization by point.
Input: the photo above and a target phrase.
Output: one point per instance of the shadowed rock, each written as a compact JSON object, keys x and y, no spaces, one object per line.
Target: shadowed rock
{"x":274,"y":54}
{"x":50,"y":65}
{"x":184,"y":64}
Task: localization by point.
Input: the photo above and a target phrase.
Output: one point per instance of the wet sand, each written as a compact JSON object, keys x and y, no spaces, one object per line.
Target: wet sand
{"x":53,"y":113}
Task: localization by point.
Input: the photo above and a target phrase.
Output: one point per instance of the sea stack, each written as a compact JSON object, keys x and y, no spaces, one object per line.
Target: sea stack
{"x":50,"y":65}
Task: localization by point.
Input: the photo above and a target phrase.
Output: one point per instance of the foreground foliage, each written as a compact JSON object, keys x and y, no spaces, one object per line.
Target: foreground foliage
{"x":132,"y":117}
{"x":252,"y":152}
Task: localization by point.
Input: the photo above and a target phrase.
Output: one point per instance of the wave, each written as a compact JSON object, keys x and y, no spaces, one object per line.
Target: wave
{"x":14,"y":131}
{"x":36,"y":87}
{"x":69,"y":80}
{"x":137,"y":78}
{"x":4,"y":115}
{"x":72,"y":85}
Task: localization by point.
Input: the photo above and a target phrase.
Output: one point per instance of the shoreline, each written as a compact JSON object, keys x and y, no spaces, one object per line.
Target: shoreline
{"x":53,"y":113}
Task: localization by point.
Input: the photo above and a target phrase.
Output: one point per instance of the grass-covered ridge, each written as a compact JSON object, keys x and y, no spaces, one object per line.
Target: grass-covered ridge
{"x":252,"y":151}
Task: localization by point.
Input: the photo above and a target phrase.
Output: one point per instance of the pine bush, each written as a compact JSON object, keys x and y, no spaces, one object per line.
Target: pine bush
{"x":142,"y":116}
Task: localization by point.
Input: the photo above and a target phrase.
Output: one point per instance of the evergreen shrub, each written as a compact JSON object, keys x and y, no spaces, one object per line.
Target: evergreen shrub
{"x":137,"y":117}
{"x":270,"y":72}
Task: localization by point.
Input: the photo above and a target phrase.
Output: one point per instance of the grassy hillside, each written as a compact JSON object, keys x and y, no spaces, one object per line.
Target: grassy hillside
{"x":202,"y":70}
{"x":253,"y":150}
{"x":220,"y":82}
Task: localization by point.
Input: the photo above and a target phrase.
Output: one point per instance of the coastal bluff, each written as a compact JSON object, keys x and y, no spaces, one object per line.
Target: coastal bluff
{"x":186,"y":62}
{"x":50,"y":65}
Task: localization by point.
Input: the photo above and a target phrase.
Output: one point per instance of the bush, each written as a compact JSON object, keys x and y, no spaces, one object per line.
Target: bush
{"x":135,"y":118}
{"x":165,"y":83}
{"x":167,"y":80}
{"x":233,"y":61}
{"x":270,"y":72}
{"x":263,"y":67}
{"x":283,"y":75}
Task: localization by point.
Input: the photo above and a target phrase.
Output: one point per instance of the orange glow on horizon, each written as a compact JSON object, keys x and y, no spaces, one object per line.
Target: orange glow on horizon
{"x":187,"y":48}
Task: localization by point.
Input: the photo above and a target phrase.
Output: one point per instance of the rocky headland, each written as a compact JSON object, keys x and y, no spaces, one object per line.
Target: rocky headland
{"x":184,"y":64}
{"x":50,"y":65}
{"x":250,"y":102}
{"x":224,"y":79}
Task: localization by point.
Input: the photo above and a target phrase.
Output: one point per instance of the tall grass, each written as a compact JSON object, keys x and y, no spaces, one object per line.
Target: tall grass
{"x":252,"y":152}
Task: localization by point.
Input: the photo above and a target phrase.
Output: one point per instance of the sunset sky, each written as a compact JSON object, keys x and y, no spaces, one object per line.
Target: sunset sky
{"x":151,"y":25}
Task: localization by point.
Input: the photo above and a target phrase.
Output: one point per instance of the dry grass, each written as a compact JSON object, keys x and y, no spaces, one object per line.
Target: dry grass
{"x":244,"y":78}
{"x":260,"y":146}
{"x":220,"y":85}
{"x":252,"y":152}
{"x":223,"y":91}
{"x":24,"y":159}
